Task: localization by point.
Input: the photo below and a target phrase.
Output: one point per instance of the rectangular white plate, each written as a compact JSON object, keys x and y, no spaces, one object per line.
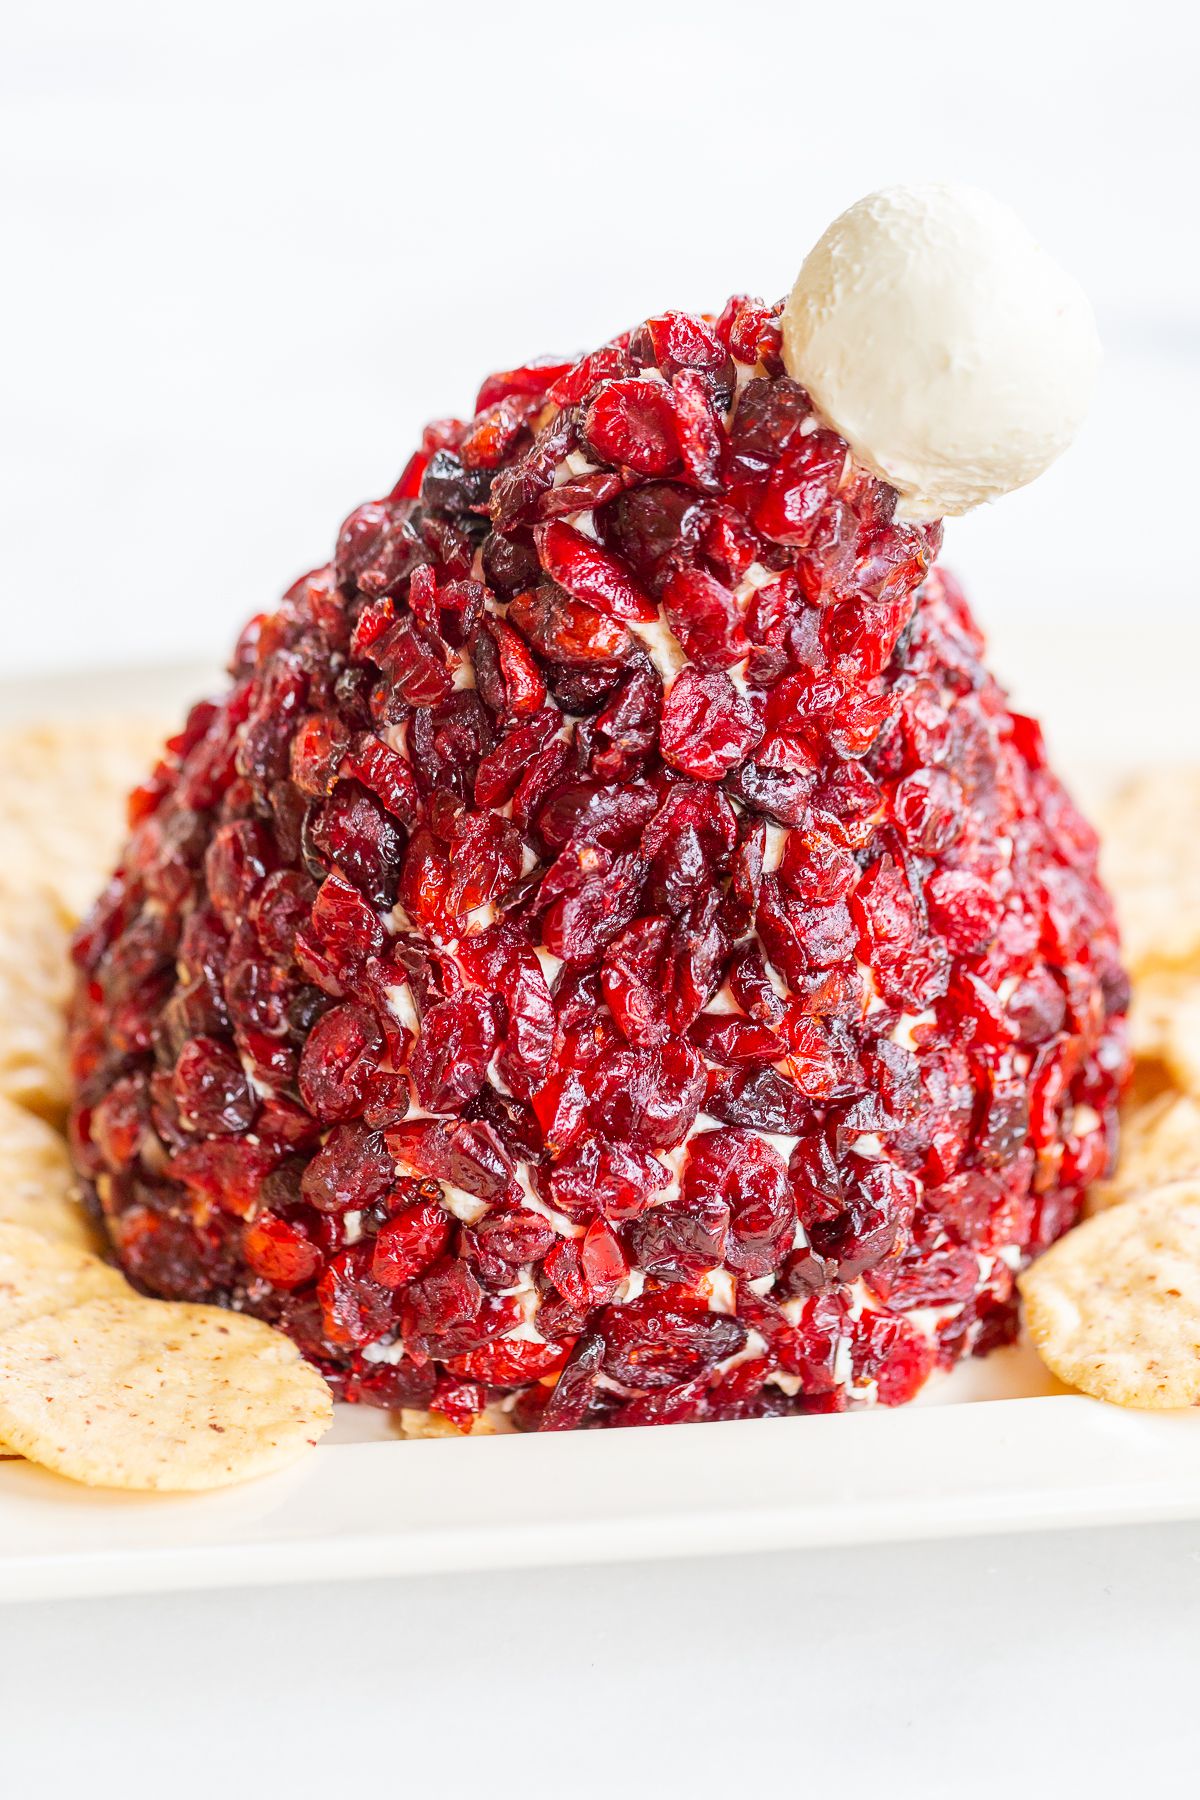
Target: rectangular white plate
{"x":374,"y":1508}
{"x":992,"y":1447}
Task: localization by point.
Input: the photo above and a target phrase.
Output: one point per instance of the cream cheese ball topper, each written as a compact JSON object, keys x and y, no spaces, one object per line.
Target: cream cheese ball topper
{"x":953,"y":355}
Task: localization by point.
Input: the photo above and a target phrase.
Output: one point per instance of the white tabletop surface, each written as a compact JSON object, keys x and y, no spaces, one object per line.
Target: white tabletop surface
{"x":250,"y":248}
{"x":1044,"y":1667}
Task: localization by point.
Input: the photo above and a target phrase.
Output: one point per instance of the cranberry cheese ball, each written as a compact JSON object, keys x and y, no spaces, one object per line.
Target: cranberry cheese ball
{"x":612,"y":954}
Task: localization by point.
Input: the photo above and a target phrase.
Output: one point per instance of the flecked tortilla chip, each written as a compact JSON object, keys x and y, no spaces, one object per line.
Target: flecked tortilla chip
{"x":1150,"y":837}
{"x":1114,"y":1307}
{"x":35,"y":979}
{"x":63,"y":788}
{"x":39,"y":1276}
{"x":133,"y":1393}
{"x":37,"y":1182}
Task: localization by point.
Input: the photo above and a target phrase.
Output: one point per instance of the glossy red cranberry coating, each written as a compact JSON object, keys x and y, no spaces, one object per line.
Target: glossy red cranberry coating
{"x":611,"y":950}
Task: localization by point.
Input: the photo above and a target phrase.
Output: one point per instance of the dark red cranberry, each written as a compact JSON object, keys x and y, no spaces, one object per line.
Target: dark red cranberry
{"x":646,"y":525}
{"x":707,"y":726}
{"x":450,"y":488}
{"x":457,"y":1041}
{"x":412,"y":1239}
{"x":575,"y":1389}
{"x":351,"y":1171}
{"x":355,"y":1308}
{"x":212,"y":1095}
{"x":468,"y":1155}
{"x":505,"y":1241}
{"x":633,"y":423}
{"x":341,"y":1058}
{"x":654,"y":1341}
{"x":615,"y":1179}
{"x":361,"y":840}
{"x":647,"y":1097}
{"x":740,"y":1172}
{"x":281,"y":1252}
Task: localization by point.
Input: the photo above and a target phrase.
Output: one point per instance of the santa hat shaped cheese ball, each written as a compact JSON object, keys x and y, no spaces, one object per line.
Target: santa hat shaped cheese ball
{"x":612,"y":955}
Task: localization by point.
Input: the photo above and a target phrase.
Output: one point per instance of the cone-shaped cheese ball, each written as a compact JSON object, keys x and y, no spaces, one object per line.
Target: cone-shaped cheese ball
{"x":611,"y":952}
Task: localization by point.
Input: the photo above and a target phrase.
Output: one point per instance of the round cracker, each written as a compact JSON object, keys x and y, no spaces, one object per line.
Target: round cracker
{"x":38,"y":1275}
{"x":156,"y":1394}
{"x":38,"y":1188}
{"x":1181,"y":1044}
{"x":1150,"y":836}
{"x":62,"y":801}
{"x":35,"y":980}
{"x":1114,"y":1307}
{"x":1160,"y":1142}
{"x":1164,"y":1023}
{"x":1154,"y":999}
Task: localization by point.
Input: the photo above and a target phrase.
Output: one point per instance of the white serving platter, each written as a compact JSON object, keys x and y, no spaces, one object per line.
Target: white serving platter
{"x":376,"y":1508}
{"x":995,"y":1446}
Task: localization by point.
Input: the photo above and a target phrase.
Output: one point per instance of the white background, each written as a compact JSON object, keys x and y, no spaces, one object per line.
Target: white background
{"x":1051,"y":1668}
{"x":252,"y":247}
{"x":249,"y":249}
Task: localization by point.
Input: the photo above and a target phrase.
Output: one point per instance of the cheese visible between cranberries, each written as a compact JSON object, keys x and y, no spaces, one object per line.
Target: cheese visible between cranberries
{"x":612,"y":952}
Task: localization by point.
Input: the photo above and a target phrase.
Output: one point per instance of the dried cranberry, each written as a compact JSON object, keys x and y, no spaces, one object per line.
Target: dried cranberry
{"x":678,"y":1243}
{"x":589,"y":573}
{"x":647,"y":1097}
{"x":802,"y":481}
{"x":360,"y":839}
{"x":457,"y":1041}
{"x":341,"y":1058}
{"x":351,"y":1171}
{"x":705,"y":618}
{"x":355,"y":1308}
{"x":707,"y":726}
{"x":741,"y":1172}
{"x":280,"y":1252}
{"x":646,"y":524}
{"x":633,"y":423}
{"x":655,"y":1341}
{"x":412,"y":1239}
{"x":892,"y":1354}
{"x":212,"y":1095}
{"x":964,"y":908}
{"x":503,"y":1242}
{"x":615,"y":1179}
{"x":569,"y":631}
{"x":468,"y":1155}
